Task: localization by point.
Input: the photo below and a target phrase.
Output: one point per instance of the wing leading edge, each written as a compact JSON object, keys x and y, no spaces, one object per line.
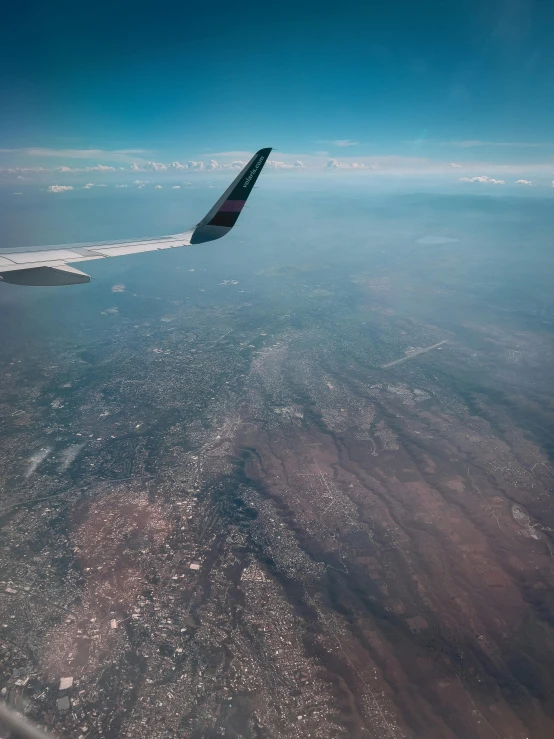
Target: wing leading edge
{"x":49,"y":265}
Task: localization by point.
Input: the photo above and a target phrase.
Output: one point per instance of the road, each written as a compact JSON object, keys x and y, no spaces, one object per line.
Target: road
{"x":414,"y":354}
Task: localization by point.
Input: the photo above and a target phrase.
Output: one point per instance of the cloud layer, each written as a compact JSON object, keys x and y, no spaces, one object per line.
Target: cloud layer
{"x":340,"y":142}
{"x":168,"y":171}
{"x":60,"y":188}
{"x":116,"y":155}
{"x":482,"y":179}
{"x":339,"y":164}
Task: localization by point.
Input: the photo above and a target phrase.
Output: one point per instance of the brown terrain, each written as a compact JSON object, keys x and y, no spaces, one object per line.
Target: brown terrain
{"x":269,"y":527}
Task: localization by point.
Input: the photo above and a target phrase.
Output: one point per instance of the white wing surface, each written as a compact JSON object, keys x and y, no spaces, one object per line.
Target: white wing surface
{"x":51,"y":265}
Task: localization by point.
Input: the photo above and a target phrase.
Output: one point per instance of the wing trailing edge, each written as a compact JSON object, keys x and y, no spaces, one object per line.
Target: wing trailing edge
{"x":45,"y":276}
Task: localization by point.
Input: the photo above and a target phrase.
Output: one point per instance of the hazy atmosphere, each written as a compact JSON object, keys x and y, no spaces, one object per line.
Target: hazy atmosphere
{"x":295,"y":482}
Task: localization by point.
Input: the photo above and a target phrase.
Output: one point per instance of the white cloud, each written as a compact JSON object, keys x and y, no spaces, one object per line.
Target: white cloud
{"x":96,"y":168}
{"x":122,"y":185}
{"x":287,"y":161}
{"x":88,"y":186}
{"x":291,"y":161}
{"x":213,"y":164}
{"x":271,"y":163}
{"x":141,"y":186}
{"x":337,"y":164}
{"x":176,"y":187}
{"x":59,"y":188}
{"x":34,"y":151}
{"x":340,"y":142}
{"x":155,"y":166}
{"x":18,"y":193}
{"x":235,"y":154}
{"x":279,"y":165}
{"x":23,"y":170}
{"x":345,"y":142}
{"x":473,"y":143}
{"x":482,"y":178}
{"x":158,"y":187}
{"x":523,"y":182}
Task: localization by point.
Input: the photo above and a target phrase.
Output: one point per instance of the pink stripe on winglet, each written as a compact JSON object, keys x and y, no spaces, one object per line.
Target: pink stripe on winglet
{"x":233,"y":206}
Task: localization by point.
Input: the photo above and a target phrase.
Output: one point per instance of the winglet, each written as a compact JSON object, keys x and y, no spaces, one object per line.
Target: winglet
{"x":223,"y":216}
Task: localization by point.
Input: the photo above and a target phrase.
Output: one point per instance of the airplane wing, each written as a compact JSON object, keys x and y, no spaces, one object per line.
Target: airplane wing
{"x":50,"y":265}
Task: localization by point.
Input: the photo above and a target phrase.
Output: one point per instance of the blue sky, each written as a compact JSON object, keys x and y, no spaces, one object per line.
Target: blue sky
{"x":403,"y":87}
